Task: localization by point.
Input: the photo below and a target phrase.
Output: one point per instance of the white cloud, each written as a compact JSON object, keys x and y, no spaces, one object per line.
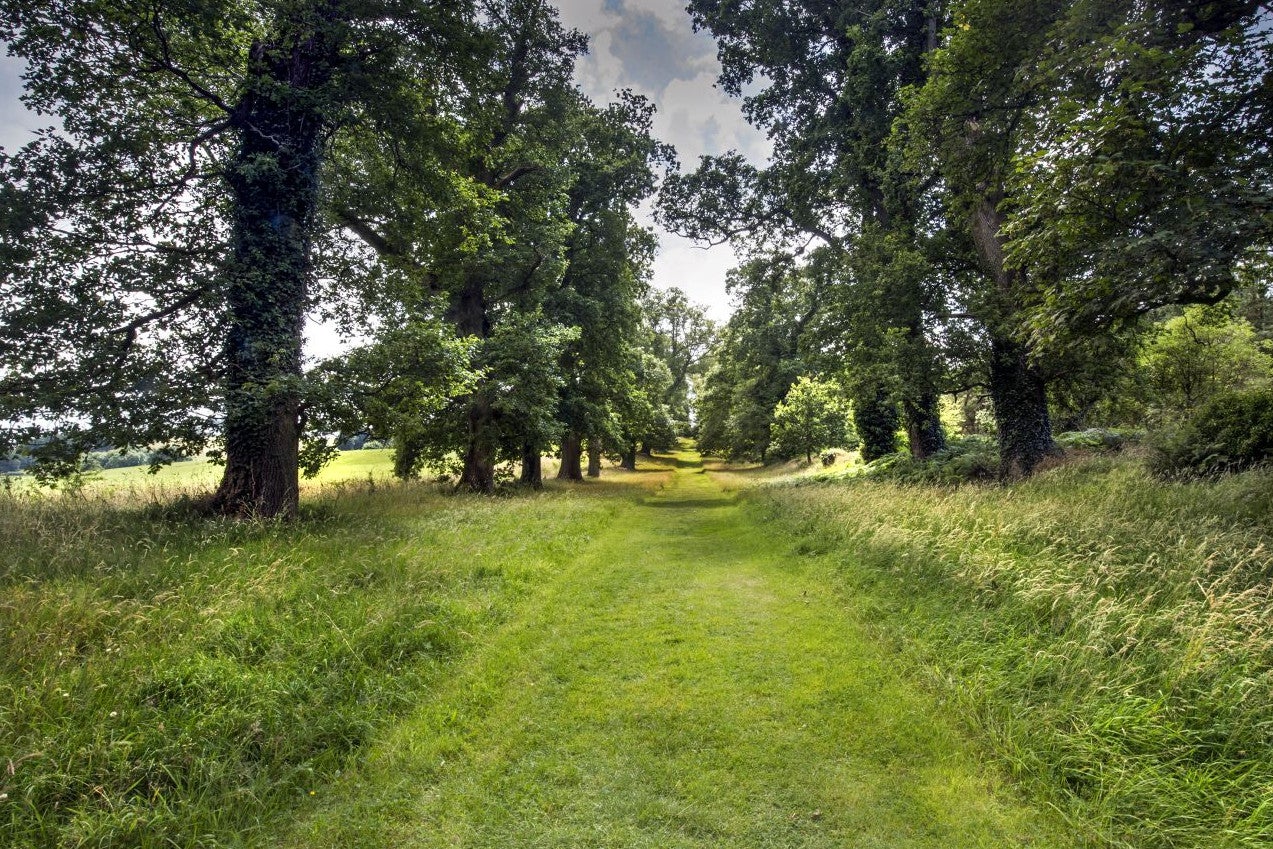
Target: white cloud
{"x":649,"y":46}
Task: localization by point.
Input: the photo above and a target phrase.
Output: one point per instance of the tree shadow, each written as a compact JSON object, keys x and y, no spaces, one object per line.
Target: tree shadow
{"x":690,"y":502}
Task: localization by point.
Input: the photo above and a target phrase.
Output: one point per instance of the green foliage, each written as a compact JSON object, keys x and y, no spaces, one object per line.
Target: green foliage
{"x":389,"y":389}
{"x":1101,"y":440}
{"x":964,"y":459}
{"x":680,"y":333}
{"x":1203,"y":352}
{"x":1147,"y":184}
{"x":1233,"y":431}
{"x":812,"y":417}
{"x":757,"y":357}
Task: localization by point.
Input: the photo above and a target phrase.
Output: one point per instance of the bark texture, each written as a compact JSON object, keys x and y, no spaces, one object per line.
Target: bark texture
{"x":571,"y":458}
{"x":274,"y":189}
{"x":923,"y":425}
{"x":532,"y":467}
{"x":469,"y":315}
{"x":1017,"y":388}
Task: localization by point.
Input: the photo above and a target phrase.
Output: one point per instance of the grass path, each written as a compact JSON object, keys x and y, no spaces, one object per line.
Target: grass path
{"x":683,"y":683}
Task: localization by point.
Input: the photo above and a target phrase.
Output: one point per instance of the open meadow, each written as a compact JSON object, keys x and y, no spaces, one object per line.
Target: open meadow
{"x":689,"y":655}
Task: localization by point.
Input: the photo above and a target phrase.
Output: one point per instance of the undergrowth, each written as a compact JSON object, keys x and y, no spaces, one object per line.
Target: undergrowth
{"x":172,"y":681}
{"x":1111,"y":634}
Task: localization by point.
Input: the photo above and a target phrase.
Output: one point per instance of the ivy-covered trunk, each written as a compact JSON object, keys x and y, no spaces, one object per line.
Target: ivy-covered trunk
{"x":921,"y":406}
{"x":1020,"y":401}
{"x":274,"y":190}
{"x":1017,"y":389}
{"x":923,"y":425}
{"x":571,"y":458}
{"x":875,"y":415}
{"x":468,"y":314}
{"x":594,"y":457}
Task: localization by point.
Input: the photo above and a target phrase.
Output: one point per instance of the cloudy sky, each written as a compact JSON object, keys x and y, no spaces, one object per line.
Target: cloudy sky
{"x":648,"y":46}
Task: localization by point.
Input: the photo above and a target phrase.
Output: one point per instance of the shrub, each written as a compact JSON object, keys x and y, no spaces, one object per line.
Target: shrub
{"x":965,"y":458}
{"x":1232,"y":432}
{"x":1099,"y":439}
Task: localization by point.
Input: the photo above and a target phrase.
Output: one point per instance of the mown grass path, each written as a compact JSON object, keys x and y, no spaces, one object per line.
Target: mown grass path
{"x":684,"y":683}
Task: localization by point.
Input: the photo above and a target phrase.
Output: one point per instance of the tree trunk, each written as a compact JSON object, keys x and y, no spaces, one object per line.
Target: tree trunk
{"x":1017,"y":390}
{"x":1021,"y":410}
{"x":921,"y":407}
{"x":532,"y":467}
{"x":468,"y":314}
{"x":646,"y":450}
{"x":923,"y":425}
{"x":274,"y":191}
{"x":594,"y":457}
{"x":628,"y":458}
{"x":479,"y":458}
{"x":571,"y":456}
{"x":875,"y":416}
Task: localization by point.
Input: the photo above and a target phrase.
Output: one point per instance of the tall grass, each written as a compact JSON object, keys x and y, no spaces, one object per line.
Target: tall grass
{"x":1111,"y":633}
{"x":173,"y":681}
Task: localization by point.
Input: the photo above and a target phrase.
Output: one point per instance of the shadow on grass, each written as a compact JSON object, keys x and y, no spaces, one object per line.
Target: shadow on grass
{"x":689,"y":502}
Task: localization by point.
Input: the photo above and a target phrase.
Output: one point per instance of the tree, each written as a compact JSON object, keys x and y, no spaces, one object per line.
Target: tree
{"x":1150,"y":181}
{"x":1105,"y":159}
{"x":966,"y":120}
{"x":758,"y":356}
{"x":496,"y":256}
{"x":833,"y":74}
{"x":1200,"y":353}
{"x":812,"y":417}
{"x":614,"y":162}
{"x":680,"y":333}
{"x":157,"y":253}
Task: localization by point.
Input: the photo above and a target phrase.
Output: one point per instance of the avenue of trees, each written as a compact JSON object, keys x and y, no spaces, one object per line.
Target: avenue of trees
{"x":1059,"y":213}
{"x":425,"y":174}
{"x":1013,"y":203}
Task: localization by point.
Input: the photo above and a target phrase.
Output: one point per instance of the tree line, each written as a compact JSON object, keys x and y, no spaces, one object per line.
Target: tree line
{"x":991,"y":198}
{"x":1021,"y":203}
{"x":424,"y":174}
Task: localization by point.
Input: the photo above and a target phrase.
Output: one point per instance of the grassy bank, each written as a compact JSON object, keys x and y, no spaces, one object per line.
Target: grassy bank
{"x":1113,"y":635}
{"x":167,"y":681}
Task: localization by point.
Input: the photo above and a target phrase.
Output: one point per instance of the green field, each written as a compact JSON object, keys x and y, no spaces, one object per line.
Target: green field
{"x":137,"y":482}
{"x":686,"y":656}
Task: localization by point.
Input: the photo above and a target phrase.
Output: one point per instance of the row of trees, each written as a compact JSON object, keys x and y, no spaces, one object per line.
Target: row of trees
{"x":976,"y":195}
{"x":423,"y":173}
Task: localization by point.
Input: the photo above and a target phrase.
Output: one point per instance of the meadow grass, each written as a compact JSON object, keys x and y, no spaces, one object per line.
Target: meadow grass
{"x":1111,"y":634}
{"x":684,"y":683}
{"x":167,"y":680}
{"x":131,"y":484}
